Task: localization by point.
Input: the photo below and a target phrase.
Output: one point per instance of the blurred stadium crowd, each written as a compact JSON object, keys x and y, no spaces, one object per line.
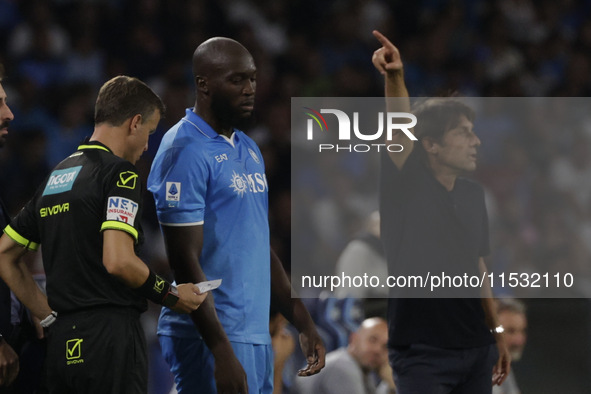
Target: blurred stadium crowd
{"x":57,"y":53}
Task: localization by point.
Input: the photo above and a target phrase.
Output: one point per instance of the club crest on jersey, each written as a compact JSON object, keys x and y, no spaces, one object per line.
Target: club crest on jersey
{"x":61,"y":181}
{"x":253,"y":183}
{"x":122,"y":209}
{"x":254,"y":156}
{"x":173,"y":194}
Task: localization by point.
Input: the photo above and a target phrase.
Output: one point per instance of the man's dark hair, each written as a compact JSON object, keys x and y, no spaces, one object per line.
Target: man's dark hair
{"x":435,"y":116}
{"x":124,"y":97}
{"x":1,"y":71}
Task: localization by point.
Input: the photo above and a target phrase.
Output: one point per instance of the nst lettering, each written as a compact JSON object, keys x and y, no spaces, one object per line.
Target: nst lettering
{"x":122,"y":203}
{"x":122,"y":209}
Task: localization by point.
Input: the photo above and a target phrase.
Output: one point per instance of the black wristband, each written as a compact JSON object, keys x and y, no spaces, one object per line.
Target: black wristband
{"x":157,"y":290}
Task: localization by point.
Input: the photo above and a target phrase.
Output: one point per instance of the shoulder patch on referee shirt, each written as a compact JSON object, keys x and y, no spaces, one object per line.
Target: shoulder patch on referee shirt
{"x":173,"y":194}
{"x":122,"y":209}
{"x":61,"y":181}
{"x":127,"y":179}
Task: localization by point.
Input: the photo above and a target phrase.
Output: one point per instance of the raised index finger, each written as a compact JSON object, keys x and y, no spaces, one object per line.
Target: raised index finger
{"x":382,"y":39}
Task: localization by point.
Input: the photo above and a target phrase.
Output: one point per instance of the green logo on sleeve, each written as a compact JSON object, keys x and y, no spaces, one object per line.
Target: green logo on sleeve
{"x":127,"y":179}
{"x":159,"y":284}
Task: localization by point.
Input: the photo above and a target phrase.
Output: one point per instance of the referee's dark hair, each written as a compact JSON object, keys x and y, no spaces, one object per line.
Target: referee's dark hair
{"x":124,"y":97}
{"x":1,"y":71}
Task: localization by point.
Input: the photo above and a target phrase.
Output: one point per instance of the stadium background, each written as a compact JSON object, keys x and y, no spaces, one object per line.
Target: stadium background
{"x":57,"y":53}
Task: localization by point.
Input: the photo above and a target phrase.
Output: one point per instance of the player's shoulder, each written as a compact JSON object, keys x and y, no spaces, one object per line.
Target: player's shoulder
{"x":247,"y":141}
{"x":181,"y":152}
{"x":244,"y":137}
{"x":182,"y":137}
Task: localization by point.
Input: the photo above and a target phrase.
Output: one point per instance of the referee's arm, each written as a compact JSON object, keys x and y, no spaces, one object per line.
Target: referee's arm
{"x":120,"y":260}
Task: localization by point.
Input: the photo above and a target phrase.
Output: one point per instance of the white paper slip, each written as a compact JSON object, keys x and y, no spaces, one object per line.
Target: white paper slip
{"x":208,"y":285}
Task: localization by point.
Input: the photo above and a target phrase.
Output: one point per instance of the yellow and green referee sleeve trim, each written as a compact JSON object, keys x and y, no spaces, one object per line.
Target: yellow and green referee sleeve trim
{"x":19,"y":239}
{"x":115,"y":225}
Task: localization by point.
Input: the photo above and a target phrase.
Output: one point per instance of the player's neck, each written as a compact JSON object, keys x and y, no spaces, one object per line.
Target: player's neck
{"x":213,"y":121}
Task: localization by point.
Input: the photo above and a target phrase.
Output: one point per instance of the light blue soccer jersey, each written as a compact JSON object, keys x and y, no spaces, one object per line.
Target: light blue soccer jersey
{"x":201,"y":177}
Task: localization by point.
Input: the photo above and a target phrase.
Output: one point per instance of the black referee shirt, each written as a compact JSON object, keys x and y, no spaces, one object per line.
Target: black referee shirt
{"x":424,"y":227}
{"x":90,"y":191}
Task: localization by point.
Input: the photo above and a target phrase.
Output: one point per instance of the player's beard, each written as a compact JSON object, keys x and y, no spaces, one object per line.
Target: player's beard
{"x":231,"y":116}
{"x":245,"y":123}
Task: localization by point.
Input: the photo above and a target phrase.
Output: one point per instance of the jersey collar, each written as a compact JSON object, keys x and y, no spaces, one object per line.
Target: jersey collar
{"x":94,"y":145}
{"x":203,"y":127}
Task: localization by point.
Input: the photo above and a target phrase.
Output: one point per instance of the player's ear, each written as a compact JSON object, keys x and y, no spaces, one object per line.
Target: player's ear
{"x":136,"y":122}
{"x":201,"y":83}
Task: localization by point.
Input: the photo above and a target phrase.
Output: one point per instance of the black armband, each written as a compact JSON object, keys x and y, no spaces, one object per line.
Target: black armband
{"x":159,"y":291}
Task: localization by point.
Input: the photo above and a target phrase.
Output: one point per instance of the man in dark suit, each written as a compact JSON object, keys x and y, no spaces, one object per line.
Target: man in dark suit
{"x":9,"y":365}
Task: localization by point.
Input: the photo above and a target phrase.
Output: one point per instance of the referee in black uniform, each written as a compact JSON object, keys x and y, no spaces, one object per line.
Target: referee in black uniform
{"x":87,"y":216}
{"x":430,"y":217}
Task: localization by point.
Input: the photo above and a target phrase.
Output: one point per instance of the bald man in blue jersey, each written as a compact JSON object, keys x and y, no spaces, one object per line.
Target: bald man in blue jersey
{"x":211,"y":193}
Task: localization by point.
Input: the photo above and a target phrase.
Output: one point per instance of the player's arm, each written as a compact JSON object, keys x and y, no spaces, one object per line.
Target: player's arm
{"x":388,"y":62}
{"x":296,"y":313}
{"x":121,"y":261}
{"x":17,"y":276}
{"x":503,"y":365}
{"x":183,"y":246}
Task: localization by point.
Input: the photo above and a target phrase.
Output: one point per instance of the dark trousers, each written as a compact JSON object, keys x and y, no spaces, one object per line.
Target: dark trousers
{"x":423,"y":369}
{"x":31,"y":354}
{"x":97,"y":351}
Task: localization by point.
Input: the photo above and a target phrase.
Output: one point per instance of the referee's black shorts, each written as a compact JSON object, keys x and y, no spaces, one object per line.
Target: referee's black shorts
{"x":102,"y":350}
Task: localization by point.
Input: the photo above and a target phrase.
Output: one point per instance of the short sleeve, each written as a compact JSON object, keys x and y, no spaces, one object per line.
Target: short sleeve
{"x":178,"y":180}
{"x":24,"y":228}
{"x":123,"y":200}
